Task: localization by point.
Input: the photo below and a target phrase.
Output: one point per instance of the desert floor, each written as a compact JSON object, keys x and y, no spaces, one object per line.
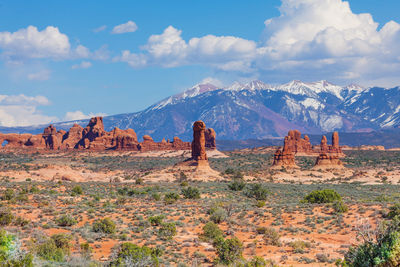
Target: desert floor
{"x":129,"y":188}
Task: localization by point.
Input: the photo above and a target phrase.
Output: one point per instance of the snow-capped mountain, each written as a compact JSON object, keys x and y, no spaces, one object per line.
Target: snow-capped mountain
{"x":260,"y":110}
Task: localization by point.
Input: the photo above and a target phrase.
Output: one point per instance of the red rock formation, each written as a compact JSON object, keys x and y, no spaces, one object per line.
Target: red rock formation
{"x":199,"y":141}
{"x":73,"y":136}
{"x":92,"y":137}
{"x":297,"y":144}
{"x":334,"y":148}
{"x":328,"y":161}
{"x":210,"y":136}
{"x":285,"y":157}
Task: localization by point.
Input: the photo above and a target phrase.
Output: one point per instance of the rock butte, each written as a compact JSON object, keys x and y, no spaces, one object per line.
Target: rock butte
{"x":94,"y":137}
{"x":328,"y":155}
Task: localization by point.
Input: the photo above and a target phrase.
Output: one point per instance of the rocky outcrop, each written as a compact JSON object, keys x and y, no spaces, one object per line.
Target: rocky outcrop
{"x":94,"y":137}
{"x":298,"y":145}
{"x":210,"y":136}
{"x":285,"y":157}
{"x":328,"y":161}
{"x":331,"y":149}
{"x":199,"y":141}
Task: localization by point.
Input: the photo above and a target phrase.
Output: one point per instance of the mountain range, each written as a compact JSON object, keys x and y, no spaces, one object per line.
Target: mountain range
{"x":258,"y":110}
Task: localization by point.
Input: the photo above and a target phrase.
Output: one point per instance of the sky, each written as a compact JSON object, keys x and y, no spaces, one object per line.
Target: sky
{"x":68,"y":60}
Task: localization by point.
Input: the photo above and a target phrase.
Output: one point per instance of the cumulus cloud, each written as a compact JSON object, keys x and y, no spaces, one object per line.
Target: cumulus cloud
{"x":169,"y":50}
{"x":82,"y":65}
{"x":130,"y":26}
{"x":79,"y":115}
{"x":21,"y":110}
{"x":319,"y":38}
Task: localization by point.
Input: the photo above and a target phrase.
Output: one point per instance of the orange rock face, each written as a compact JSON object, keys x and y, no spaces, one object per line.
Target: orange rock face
{"x":285,"y":157}
{"x":210,"y":136}
{"x":297,"y":144}
{"x":92,"y":137}
{"x":326,"y":160}
{"x":199,"y":141}
{"x":334,"y":148}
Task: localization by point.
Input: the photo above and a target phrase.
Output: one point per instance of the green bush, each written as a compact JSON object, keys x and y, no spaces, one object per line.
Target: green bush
{"x":54,"y":248}
{"x":383,"y":250}
{"x":257,"y":191}
{"x":340,"y":207}
{"x":211,"y":231}
{"x":218,"y":215}
{"x":167,"y":231}
{"x":257,"y":262}
{"x":191,"y":193}
{"x":10,"y":254}
{"x":156,"y":220}
{"x":322,"y":196}
{"x":105,"y":225}
{"x":8,"y":194}
{"x":271,"y":237}
{"x":129,"y":254}
{"x":6,"y":216}
{"x":65,"y":220}
{"x":394,"y":211}
{"x":170,"y":198}
{"x":156,"y":196}
{"x":228,"y":250}
{"x":77,"y":190}
{"x":237,"y":185}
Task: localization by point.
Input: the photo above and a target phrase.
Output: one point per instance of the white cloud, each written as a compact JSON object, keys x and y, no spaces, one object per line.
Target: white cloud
{"x":42,"y":75}
{"x":169,"y":50}
{"x":79,"y":115}
{"x":31,"y":43}
{"x":100,"y":29}
{"x":21,"y":110}
{"x":82,"y":65}
{"x":130,"y":26}
{"x":317,"y":39}
{"x":213,"y":81}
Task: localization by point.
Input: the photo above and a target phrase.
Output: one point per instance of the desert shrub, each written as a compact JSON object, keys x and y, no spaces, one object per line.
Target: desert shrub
{"x":6,"y":216}
{"x":54,"y":248}
{"x":167,"y":231}
{"x":139,"y":180}
{"x":156,"y":196}
{"x":381,"y":250}
{"x":256,"y":262}
{"x":182,"y":177}
{"x":218,"y":215}
{"x":237,"y":185}
{"x":271,"y":237}
{"x":340,"y":207}
{"x":184,"y":183}
{"x":105,"y":225}
{"x":394,"y":211}
{"x":129,"y":254}
{"x":156,"y":220}
{"x":171,"y":197}
{"x":77,"y":190}
{"x":230,"y":171}
{"x":257,"y":191}
{"x":228,"y":250}
{"x":211,"y":231}
{"x":191,"y":193}
{"x":86,"y":249}
{"x":10,"y":254}
{"x":8,"y":194}
{"x":322,"y":196}
{"x":65,"y":220}
{"x":260,"y":203}
{"x":299,"y":246}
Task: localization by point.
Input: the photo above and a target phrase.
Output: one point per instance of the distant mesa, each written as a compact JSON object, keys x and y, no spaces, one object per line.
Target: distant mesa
{"x":94,"y":138}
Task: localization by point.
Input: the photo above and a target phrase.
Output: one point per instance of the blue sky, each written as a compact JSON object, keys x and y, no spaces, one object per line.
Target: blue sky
{"x":73,"y":59}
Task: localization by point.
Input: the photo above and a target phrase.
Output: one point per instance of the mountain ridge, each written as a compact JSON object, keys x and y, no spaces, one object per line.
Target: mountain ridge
{"x":258,"y":110}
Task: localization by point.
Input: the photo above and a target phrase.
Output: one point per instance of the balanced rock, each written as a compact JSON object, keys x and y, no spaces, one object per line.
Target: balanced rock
{"x":199,"y":141}
{"x":210,"y":136}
